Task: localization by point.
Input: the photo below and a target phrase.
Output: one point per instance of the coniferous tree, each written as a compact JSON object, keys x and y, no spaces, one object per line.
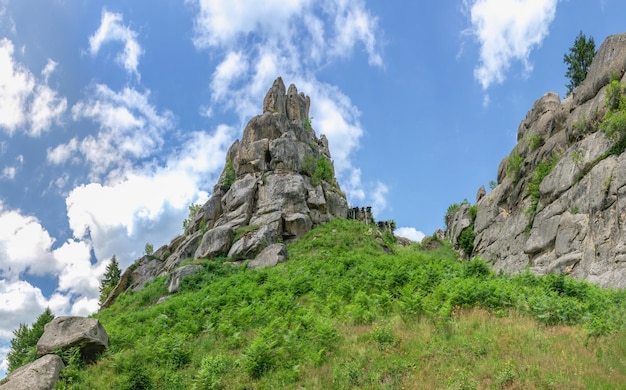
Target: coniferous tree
{"x":111,"y":278}
{"x":578,"y":60}
{"x":24,"y":344}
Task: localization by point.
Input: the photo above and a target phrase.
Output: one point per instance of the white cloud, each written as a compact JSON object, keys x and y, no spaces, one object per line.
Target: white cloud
{"x":24,"y":100}
{"x":220,"y":22}
{"x":379,"y":202}
{"x":24,"y":245}
{"x":228,"y":71}
{"x":61,"y":153}
{"x":354,"y":23}
{"x":16,"y":85}
{"x":49,"y":69}
{"x":411,"y":233}
{"x":507,"y":31}
{"x":148,"y":205}
{"x":112,"y":30}
{"x":46,"y":108}
{"x":130,"y":128}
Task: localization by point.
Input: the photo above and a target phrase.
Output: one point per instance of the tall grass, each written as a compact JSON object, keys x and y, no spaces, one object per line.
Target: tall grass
{"x":343,"y":313}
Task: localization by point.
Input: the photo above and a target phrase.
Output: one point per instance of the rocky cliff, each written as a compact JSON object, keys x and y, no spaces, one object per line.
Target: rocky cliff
{"x":560,"y":200}
{"x":278,"y":182}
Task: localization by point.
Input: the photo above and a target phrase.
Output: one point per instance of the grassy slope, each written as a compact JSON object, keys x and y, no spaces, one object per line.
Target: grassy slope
{"x":343,"y":313}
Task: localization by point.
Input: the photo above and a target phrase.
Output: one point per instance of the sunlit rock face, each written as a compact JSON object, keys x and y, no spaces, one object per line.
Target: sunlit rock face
{"x":574,"y":222}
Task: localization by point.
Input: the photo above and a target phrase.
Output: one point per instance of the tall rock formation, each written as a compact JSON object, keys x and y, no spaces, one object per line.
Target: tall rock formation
{"x":560,"y":202}
{"x":278,"y":182}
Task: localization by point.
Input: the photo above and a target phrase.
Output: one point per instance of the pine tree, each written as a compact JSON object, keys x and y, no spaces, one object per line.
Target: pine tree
{"x":24,"y":344}
{"x":578,"y":60}
{"x":111,"y":278}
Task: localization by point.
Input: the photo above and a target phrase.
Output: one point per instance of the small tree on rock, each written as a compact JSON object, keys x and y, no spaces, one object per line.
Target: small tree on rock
{"x":578,"y":60}
{"x":111,"y":278}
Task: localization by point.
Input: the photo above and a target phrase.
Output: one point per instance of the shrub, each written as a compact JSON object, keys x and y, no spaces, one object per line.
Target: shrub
{"x":542,"y":170}
{"x":535,"y":141}
{"x":307,"y":125}
{"x":148,"y":250}
{"x":229,"y":175}
{"x":323,"y":171}
{"x":384,"y":337}
{"x":615,"y":99}
{"x":211,"y":373}
{"x":308,"y":164}
{"x":466,"y":240}
{"x":514,"y":166}
{"x":194,"y":208}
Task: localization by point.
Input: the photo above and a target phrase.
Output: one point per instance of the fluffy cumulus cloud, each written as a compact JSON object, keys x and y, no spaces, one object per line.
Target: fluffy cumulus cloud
{"x":507,"y":31}
{"x":112,"y":29}
{"x":130,"y":128}
{"x":411,"y":233}
{"x":148,"y":205}
{"x":26,"y":103}
{"x":25,"y":246}
{"x":294,"y":39}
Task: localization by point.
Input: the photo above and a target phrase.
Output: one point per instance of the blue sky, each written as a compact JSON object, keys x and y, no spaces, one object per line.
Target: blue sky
{"x":115,"y":117}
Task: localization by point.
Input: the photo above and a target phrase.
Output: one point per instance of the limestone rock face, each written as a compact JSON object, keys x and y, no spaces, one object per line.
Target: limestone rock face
{"x":65,"y":332}
{"x":42,"y":374}
{"x":267,"y":193}
{"x":577,"y":227}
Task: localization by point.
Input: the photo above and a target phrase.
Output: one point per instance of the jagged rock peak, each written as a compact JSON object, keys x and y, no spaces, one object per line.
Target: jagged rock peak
{"x":278,"y":182}
{"x":295,"y":105}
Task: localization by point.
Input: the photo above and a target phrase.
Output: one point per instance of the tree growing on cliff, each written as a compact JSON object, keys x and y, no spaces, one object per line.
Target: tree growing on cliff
{"x":24,"y":344}
{"x":578,"y":60}
{"x":111,"y":278}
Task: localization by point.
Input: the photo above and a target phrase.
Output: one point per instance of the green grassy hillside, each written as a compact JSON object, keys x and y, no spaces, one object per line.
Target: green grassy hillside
{"x":353,"y":310}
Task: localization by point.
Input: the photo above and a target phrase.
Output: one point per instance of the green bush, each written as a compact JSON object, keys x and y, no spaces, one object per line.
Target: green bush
{"x":535,"y":142}
{"x":323,"y":171}
{"x":466,"y":240}
{"x":514,"y":165}
{"x":229,"y":175}
{"x":308,"y":164}
{"x":543,"y":169}
{"x":194,"y":208}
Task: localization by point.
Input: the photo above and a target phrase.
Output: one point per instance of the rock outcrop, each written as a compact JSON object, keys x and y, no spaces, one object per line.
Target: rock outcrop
{"x":278,"y":183}
{"x":66,"y":332}
{"x":42,"y":374}
{"x":560,"y":202}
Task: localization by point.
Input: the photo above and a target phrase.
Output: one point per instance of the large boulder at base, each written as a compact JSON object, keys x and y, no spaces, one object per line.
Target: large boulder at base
{"x":173,"y":282}
{"x":42,"y":374}
{"x":67,"y":332}
{"x":270,"y":256}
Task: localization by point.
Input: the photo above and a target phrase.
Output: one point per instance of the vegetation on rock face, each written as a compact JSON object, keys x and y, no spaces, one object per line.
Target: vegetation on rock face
{"x":229,"y":175}
{"x":543,"y":169}
{"x":578,"y":60}
{"x":614,"y":123}
{"x":514,"y":167}
{"x":110,"y":279}
{"x":343,"y":313}
{"x":194,"y":208}
{"x":24,"y":344}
